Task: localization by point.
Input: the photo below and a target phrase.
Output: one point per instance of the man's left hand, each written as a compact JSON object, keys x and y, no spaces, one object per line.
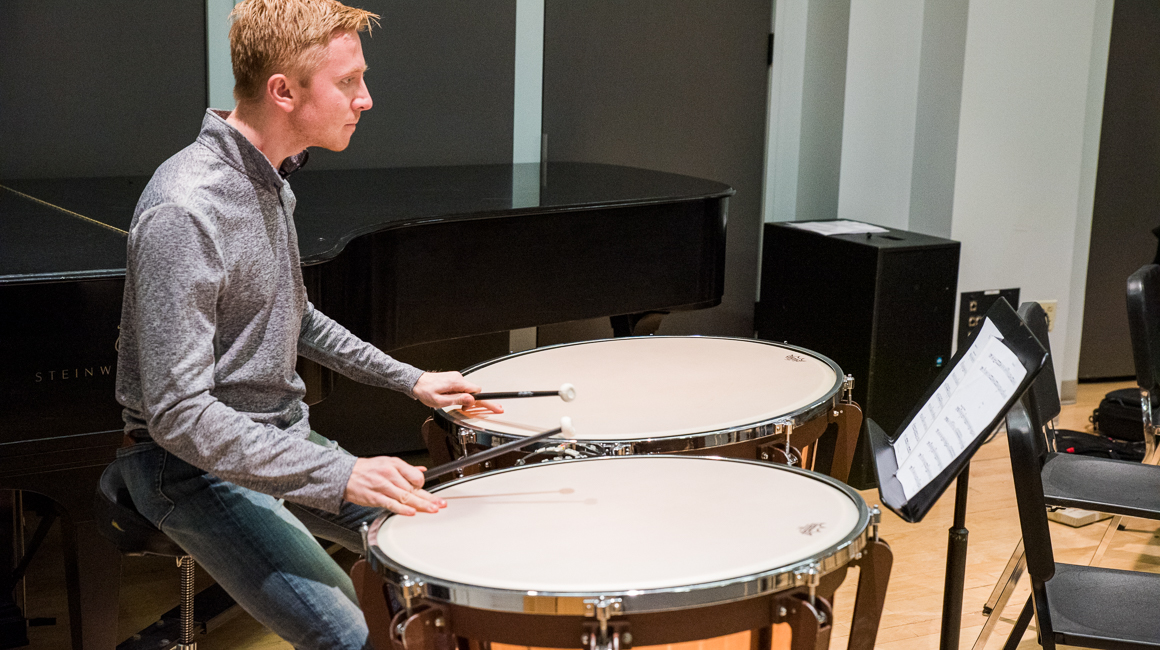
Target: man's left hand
{"x":440,"y":389}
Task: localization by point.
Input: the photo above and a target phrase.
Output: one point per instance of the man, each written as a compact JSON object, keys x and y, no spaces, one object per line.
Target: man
{"x":214,"y":317}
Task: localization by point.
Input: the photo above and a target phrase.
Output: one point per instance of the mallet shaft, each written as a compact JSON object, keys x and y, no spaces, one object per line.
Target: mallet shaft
{"x":517,"y":393}
{"x":488,"y":454}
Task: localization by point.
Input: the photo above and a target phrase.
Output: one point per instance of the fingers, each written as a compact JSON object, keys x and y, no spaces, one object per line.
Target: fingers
{"x":481,"y":409}
{"x":409,"y":501}
{"x":392,"y":484}
{"x":491,"y":406}
{"x":412,"y":474}
{"x":440,"y":389}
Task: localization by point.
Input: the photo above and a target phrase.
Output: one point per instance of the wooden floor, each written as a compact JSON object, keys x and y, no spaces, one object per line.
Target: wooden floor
{"x":913,"y":603}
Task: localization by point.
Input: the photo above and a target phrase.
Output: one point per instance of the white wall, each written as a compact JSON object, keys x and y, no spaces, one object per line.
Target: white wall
{"x":976,"y":120}
{"x":1028,"y":142}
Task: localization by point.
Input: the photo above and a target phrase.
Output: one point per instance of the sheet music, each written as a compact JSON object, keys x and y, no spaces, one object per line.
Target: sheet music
{"x":963,"y":406}
{"x":839,"y":227}
{"x":917,"y":428}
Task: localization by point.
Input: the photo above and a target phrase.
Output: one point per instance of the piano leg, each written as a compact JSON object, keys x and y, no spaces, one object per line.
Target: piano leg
{"x":642,"y":324}
{"x":92,"y":564}
{"x":13,"y":627}
{"x":93,"y":574}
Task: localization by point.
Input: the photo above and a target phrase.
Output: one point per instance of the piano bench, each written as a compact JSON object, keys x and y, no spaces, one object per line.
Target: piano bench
{"x":120,"y":523}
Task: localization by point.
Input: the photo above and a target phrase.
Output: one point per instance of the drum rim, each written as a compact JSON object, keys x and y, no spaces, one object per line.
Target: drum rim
{"x":661,"y":444}
{"x":797,"y":574}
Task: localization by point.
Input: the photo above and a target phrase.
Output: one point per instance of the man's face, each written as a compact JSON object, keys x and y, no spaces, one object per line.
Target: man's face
{"x":336,"y":97}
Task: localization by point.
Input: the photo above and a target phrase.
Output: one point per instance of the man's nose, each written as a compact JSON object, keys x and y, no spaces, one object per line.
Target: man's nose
{"x":362,"y":101}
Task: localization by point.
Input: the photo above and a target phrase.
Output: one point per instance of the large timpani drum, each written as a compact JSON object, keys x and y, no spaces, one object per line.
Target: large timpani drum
{"x":612,"y":552}
{"x":740,"y":398}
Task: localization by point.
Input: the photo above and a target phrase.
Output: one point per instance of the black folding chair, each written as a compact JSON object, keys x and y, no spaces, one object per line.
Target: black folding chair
{"x":1144,"y":329}
{"x":1075,"y":605}
{"x":1068,"y":480}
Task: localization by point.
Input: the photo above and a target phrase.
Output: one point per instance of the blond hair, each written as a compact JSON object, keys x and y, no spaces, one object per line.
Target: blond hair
{"x":288,"y":37}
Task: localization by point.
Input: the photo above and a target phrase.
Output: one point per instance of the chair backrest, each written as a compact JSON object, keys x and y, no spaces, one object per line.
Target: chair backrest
{"x":1144,"y":325}
{"x":1023,"y":432}
{"x":1044,"y":393}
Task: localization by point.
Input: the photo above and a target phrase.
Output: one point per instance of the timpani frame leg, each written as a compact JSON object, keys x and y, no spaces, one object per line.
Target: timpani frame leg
{"x":438,"y":443}
{"x":372,"y":598}
{"x":873,"y":575}
{"x":761,"y":638}
{"x":849,"y":427}
{"x":811,"y":624}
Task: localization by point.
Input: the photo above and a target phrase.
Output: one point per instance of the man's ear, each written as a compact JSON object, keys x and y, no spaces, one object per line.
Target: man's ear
{"x":279,"y":91}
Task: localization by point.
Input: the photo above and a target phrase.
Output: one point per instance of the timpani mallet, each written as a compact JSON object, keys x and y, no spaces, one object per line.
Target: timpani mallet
{"x":515,"y":445}
{"x":566,"y":392}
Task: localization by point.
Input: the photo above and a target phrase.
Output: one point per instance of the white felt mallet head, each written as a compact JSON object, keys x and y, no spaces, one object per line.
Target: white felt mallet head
{"x":566,"y":429}
{"x":567,"y":392}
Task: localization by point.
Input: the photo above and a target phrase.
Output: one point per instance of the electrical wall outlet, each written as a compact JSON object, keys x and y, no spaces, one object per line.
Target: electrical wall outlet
{"x":1049,"y":307}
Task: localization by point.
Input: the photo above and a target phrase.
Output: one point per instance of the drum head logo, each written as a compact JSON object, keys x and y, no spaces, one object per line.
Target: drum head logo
{"x":795,"y":358}
{"x":810,"y":529}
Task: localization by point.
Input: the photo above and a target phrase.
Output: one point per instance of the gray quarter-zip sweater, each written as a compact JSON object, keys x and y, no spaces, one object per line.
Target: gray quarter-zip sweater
{"x":214,"y":317}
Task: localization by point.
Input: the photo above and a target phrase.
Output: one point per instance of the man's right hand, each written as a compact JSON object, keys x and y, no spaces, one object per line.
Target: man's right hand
{"x":387,"y":482}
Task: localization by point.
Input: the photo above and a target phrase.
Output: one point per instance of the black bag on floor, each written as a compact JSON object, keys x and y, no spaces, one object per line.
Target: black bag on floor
{"x":1119,"y":416}
{"x":1086,"y":444}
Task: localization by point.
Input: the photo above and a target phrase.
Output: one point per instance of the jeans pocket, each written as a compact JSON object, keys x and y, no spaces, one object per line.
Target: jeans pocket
{"x":142,"y":466}
{"x":139,"y":448}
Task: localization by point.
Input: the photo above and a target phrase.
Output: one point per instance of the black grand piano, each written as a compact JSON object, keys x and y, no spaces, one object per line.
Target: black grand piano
{"x":400,"y":256}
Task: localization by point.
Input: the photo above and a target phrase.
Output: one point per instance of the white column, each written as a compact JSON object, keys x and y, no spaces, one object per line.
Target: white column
{"x":881,"y":107}
{"x":527,"y":124}
{"x":804,"y":132}
{"x":219,"y":72}
{"x":529,"y":81}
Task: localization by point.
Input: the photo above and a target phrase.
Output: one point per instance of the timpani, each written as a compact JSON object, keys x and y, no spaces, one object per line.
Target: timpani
{"x":611,"y":552}
{"x":740,"y":398}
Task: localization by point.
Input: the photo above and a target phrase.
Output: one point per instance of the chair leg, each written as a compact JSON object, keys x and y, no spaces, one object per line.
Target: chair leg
{"x":1106,"y":540}
{"x":1020,"y":627}
{"x":1008,"y":588}
{"x":185,"y":641}
{"x":1017,"y":561}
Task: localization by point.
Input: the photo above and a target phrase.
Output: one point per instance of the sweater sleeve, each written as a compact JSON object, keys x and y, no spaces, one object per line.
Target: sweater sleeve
{"x":326,"y":342}
{"x":176,"y":276}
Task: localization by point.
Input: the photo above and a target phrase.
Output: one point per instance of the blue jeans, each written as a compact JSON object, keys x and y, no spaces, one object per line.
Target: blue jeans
{"x":264,"y":556}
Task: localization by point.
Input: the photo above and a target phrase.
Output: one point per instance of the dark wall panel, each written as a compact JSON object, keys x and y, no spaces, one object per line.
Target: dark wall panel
{"x":675,"y":86}
{"x":442,"y":77}
{"x":98,"y":88}
{"x":442,"y":80}
{"x":1127,"y":197}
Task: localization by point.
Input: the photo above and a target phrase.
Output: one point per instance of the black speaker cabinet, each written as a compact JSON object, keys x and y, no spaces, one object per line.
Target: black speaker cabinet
{"x":880,"y":305}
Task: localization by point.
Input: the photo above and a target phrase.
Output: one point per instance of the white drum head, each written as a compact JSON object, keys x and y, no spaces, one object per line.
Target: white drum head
{"x":621,"y":524}
{"x":653,"y":387}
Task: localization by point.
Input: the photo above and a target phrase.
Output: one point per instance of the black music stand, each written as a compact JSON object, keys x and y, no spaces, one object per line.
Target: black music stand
{"x":1031,"y":355}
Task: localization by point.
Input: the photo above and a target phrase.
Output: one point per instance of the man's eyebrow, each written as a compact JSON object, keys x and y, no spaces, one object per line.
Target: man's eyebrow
{"x":358,"y":70}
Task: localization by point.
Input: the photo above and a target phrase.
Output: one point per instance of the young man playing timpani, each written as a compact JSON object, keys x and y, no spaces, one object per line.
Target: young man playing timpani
{"x":215,"y":315}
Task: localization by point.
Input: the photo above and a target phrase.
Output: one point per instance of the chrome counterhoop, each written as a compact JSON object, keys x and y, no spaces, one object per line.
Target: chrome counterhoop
{"x":804,"y":573}
{"x":781,"y":425}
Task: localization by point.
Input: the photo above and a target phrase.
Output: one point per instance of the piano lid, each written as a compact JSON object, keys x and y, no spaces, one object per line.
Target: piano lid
{"x":75,"y":228}
{"x":335,"y":207}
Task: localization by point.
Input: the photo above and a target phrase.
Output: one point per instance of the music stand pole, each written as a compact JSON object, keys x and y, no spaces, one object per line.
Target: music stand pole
{"x":952,"y":614}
